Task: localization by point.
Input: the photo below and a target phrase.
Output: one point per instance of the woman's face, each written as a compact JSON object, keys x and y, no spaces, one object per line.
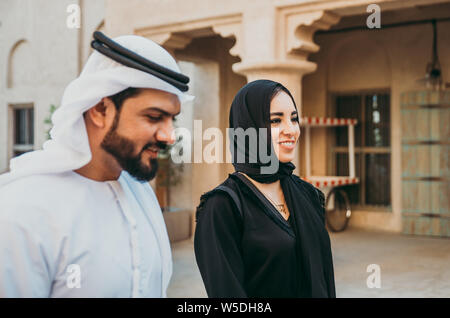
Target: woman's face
{"x":285,"y":126}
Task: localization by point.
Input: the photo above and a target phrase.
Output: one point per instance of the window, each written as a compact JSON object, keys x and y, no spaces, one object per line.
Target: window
{"x":372,"y":147}
{"x":23,"y":129}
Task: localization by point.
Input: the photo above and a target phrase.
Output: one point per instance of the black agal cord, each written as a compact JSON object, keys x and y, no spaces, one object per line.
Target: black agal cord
{"x":124,"y":56}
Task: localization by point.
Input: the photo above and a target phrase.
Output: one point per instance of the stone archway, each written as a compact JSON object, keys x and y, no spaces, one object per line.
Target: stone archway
{"x":20,"y":65}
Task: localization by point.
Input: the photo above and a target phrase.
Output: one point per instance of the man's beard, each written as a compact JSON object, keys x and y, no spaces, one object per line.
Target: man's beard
{"x":123,"y":149}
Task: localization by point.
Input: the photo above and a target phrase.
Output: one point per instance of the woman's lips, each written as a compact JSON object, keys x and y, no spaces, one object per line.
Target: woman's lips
{"x":288,"y":145}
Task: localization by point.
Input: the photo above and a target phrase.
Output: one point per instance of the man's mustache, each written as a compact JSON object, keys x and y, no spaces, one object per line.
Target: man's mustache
{"x":159,"y":144}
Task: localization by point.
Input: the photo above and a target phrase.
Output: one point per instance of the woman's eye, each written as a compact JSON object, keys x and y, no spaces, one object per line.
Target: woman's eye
{"x":275,"y":121}
{"x":278,"y":120}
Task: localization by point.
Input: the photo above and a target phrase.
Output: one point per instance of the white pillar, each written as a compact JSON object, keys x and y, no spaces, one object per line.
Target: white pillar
{"x":308,"y":150}
{"x":351,"y":150}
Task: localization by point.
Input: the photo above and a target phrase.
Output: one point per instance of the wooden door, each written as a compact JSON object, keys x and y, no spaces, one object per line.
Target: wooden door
{"x":425,"y":163}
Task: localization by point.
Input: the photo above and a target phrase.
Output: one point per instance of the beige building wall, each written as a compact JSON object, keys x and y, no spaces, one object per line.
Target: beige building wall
{"x":39,"y":56}
{"x":199,"y":176}
{"x":214,"y":85}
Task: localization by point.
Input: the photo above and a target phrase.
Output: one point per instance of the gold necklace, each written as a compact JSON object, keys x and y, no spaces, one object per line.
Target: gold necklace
{"x":279,"y":207}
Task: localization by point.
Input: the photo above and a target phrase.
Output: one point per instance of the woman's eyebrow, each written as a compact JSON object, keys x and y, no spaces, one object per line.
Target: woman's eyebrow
{"x":276,"y":114}
{"x":281,"y":114}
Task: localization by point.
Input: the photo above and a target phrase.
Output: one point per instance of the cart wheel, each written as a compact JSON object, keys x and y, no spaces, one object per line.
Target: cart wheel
{"x":338,"y":211}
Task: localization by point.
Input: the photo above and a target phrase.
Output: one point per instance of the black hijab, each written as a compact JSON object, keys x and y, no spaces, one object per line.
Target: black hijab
{"x":251,"y":109}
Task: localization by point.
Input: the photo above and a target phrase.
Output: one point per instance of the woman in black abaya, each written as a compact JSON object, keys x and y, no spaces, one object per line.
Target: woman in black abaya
{"x":260,"y":233}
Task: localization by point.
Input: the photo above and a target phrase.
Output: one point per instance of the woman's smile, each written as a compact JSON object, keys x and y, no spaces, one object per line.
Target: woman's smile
{"x":287,"y":145}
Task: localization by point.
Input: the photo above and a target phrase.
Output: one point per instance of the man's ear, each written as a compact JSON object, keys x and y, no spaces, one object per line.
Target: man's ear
{"x":98,"y":114}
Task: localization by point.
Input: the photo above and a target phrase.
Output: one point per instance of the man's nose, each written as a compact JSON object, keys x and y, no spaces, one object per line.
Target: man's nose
{"x":166,"y":133}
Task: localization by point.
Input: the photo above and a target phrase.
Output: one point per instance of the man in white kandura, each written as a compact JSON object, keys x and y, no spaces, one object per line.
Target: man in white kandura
{"x":79,"y":218}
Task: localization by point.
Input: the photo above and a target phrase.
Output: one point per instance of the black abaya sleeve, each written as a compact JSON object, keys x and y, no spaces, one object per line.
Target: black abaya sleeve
{"x":217,"y":247}
{"x":322,"y":205}
{"x":329,"y":270}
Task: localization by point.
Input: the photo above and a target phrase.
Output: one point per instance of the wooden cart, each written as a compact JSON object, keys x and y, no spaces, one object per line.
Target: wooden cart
{"x":338,"y":210}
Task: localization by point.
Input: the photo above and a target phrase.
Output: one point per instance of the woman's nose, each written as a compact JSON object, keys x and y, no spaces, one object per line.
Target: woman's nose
{"x":288,"y":129}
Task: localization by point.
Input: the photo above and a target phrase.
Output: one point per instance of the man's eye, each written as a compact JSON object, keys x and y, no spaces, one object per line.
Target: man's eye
{"x":295,"y":118}
{"x":154,"y":118}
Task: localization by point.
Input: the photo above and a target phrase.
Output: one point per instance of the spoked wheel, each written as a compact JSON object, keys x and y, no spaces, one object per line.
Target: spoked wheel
{"x":338,"y":211}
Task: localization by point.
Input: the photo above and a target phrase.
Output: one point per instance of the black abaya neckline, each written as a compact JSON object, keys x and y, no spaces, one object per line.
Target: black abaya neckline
{"x":271,"y":211}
